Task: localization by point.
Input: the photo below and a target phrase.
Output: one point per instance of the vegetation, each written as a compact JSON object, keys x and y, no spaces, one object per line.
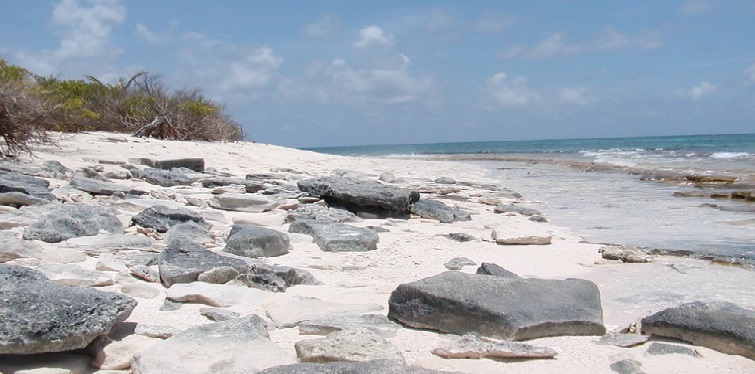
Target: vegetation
{"x":31,"y":106}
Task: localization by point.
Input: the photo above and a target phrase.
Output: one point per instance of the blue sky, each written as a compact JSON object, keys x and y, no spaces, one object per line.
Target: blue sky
{"x":344,"y":72}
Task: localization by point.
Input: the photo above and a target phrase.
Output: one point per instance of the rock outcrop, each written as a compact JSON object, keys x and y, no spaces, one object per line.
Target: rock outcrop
{"x":357,"y":195}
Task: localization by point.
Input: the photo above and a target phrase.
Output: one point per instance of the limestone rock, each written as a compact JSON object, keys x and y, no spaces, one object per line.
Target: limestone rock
{"x":369,"y":367}
{"x":12,"y":247}
{"x":19,"y":199}
{"x":162,"y":218}
{"x":243,"y":203}
{"x":163,"y":178}
{"x":110,"y":243}
{"x":217,"y":295}
{"x":377,"y":323}
{"x":218,"y":275}
{"x":627,"y":366}
{"x":320,"y":213}
{"x":470,"y":346}
{"x":358,"y":195}
{"x":24,"y":184}
{"x":348,"y":345}
{"x":435,"y":209}
{"x":73,"y":220}
{"x":337,"y":237}
{"x":658,"y":348}
{"x":74,"y":275}
{"x":457,"y":263}
{"x":503,"y":235}
{"x":98,"y":187}
{"x":302,"y":309}
{"x":192,"y":163}
{"x":254,"y":241}
{"x":219,"y":314}
{"x":276,"y":278}
{"x":183,"y":260}
{"x":489,"y":268}
{"x":445,"y":180}
{"x":623,"y":340}
{"x":625,"y":254}
{"x":517,"y":209}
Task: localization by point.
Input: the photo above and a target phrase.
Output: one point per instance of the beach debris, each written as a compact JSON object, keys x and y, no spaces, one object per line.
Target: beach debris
{"x":500,"y":307}
{"x":369,"y":367}
{"x":360,"y":195}
{"x":489,"y":268}
{"x":353,"y":345}
{"x":658,"y":348}
{"x":255,"y":241}
{"x":72,"y":220}
{"x":625,"y":254}
{"x":435,"y":209}
{"x":721,"y":326}
{"x":162,"y":218}
{"x":337,"y":237}
{"x":183,"y":260}
{"x":470,"y":346}
{"x":457,"y":263}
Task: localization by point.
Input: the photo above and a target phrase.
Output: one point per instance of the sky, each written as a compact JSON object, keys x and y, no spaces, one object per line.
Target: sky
{"x":345,"y":72}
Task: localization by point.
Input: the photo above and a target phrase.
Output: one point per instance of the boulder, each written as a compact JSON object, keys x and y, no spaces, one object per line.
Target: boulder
{"x":499,"y":307}
{"x":27,"y":185}
{"x":163,"y":178}
{"x":435,"y":209}
{"x":98,"y":187}
{"x":37,"y":315}
{"x":470,"y":346}
{"x":358,"y":195}
{"x":625,"y":254}
{"x":357,"y":345}
{"x":337,"y":237}
{"x":231,"y":347}
{"x":183,"y":260}
{"x":529,"y":212}
{"x":369,"y":367}
{"x":161,"y":218}
{"x":320,"y":213}
{"x":254,"y":242}
{"x":243,"y":203}
{"x":489,"y":268}
{"x":722,"y":326}
{"x":73,"y":220}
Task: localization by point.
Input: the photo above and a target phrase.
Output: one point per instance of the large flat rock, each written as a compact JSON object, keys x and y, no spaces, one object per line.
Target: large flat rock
{"x":337,"y":237}
{"x":255,"y":241}
{"x":183,"y":260}
{"x":369,"y":367}
{"x":500,"y":307}
{"x":359,"y":195}
{"x":73,"y":220}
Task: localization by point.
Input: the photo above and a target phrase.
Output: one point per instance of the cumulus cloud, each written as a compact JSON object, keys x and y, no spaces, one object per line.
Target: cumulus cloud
{"x":373,"y":36}
{"x":510,"y":93}
{"x":750,"y":73}
{"x":553,"y":45}
{"x":251,"y":70}
{"x":150,"y":36}
{"x":704,"y":89}
{"x":574,"y":96}
{"x":558,"y":45}
{"x":84,"y":29}
{"x":325,"y":27}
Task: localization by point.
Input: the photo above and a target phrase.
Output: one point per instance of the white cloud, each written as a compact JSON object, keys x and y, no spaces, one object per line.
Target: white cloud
{"x":703,"y":89}
{"x":325,"y":27}
{"x":252,"y":70}
{"x":612,"y":40}
{"x":84,"y":30}
{"x":553,"y":45}
{"x":510,"y":93}
{"x":574,"y":96}
{"x":750,"y":73}
{"x":557,"y":45}
{"x":150,"y":36}
{"x":373,"y":35}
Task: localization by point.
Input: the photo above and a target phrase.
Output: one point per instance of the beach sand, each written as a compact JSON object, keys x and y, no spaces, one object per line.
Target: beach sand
{"x":413,"y":249}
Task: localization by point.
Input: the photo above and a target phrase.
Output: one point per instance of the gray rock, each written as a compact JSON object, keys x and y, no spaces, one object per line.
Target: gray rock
{"x":721,"y":326}
{"x":140,"y":290}
{"x":337,"y":237}
{"x":219,"y":314}
{"x":213,"y":182}
{"x":243,"y":203}
{"x":445,"y":180}
{"x":155,"y":331}
{"x":357,"y":195}
{"x":55,"y":169}
{"x":457,"y":263}
{"x":657,"y":349}
{"x":195,"y":164}
{"x":162,"y":218}
{"x":98,"y":187}
{"x":623,"y":340}
{"x":163,"y":178}
{"x":183,"y":260}
{"x":517,"y":209}
{"x":276,"y":278}
{"x":19,"y":199}
{"x":489,"y":268}
{"x":27,"y":185}
{"x":218,"y":295}
{"x":625,"y":254}
{"x":218,"y":275}
{"x":387,"y":177}
{"x":538,"y":219}
{"x":170,"y":306}
{"x":435,"y":209}
{"x":369,"y":367}
{"x":144,"y":272}
{"x":377,"y":323}
{"x":303,"y":309}
{"x":627,"y":366}
{"x":320,"y":213}
{"x":37,"y":315}
{"x":470,"y":346}
{"x":73,"y":220}
{"x":499,"y":307}
{"x":460,"y":237}
{"x":196,"y":232}
{"x":112,"y":243}
{"x":254,"y":242}
{"x":357,"y":345}
{"x":74,"y":275}
{"x":12,"y":247}
{"x":230,"y":347}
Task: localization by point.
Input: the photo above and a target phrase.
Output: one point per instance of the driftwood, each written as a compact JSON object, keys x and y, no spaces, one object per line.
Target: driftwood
{"x":158,"y":128}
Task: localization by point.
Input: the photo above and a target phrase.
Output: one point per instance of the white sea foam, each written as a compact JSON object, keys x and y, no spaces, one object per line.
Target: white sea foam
{"x":731,"y":155}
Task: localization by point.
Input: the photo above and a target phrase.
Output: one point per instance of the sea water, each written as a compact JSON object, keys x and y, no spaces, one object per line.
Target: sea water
{"x":593,"y":186}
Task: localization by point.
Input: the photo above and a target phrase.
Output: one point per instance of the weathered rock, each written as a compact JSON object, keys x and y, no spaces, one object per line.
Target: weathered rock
{"x":55,"y":169}
{"x":445,"y":180}
{"x":320,"y":213}
{"x":435,"y":209}
{"x":357,"y":195}
{"x":195,"y":164}
{"x":217,"y":295}
{"x":213,"y":182}
{"x":27,"y":185}
{"x":12,"y":247}
{"x":140,"y":290}
{"x":457,"y":263}
{"x":377,"y":323}
{"x":254,"y":241}
{"x":37,"y":315}
{"x":111,"y":243}
{"x":722,"y":326}
{"x":163,"y":178}
{"x":183,"y":260}
{"x":218,"y":275}
{"x":112,"y":354}
{"x":243,"y":203}
{"x":627,"y":366}
{"x":387,"y":177}
{"x":144,"y":272}
{"x":337,"y":237}
{"x":489,"y":268}
{"x":357,"y":345}
{"x":196,"y":232}
{"x":276,"y":278}
{"x":219,"y":314}
{"x":625,"y":254}
{"x":98,"y":187}
{"x":504,"y":235}
{"x":499,"y":307}
{"x":74,"y":275}
{"x":658,"y":349}
{"x":303,"y":309}
{"x":517,"y":209}
{"x":162,"y":218}
{"x":230,"y":347}
{"x":460,"y":237}
{"x":19,"y":199}
{"x":623,"y":340}
{"x":369,"y":367}
{"x":72,"y":220}
{"x":470,"y":346}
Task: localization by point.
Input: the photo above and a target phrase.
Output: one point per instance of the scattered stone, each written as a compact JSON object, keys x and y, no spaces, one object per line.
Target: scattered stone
{"x":183,"y":260}
{"x":218,"y":275}
{"x":387,"y":177}
{"x":75,"y":276}
{"x":155,"y":331}
{"x":216,"y":295}
{"x":72,"y":220}
{"x":242,"y":203}
{"x":377,"y":323}
{"x":276,"y":278}
{"x":254,"y":242}
{"x":196,"y":232}
{"x":27,"y":185}
{"x":489,"y":268}
{"x":20,"y":199}
{"x":292,"y":313}
{"x":721,"y":326}
{"x":145,"y":272}
{"x":195,"y":164}
{"x":12,"y":248}
{"x":657,"y":349}
{"x":337,"y":237}
{"x":162,"y":178}
{"x":110,"y":243}
{"x":457,"y":263}
{"x":62,"y":255}
{"x":56,"y":169}
{"x":37,"y":315}
{"x":370,"y":367}
{"x":627,"y":366}
{"x":98,"y":187}
{"x":357,"y":345}
{"x":445,"y":180}
{"x":470,"y":346}
{"x":139,"y":290}
{"x":162,"y":218}
{"x":517,"y":237}
{"x":517,"y":209}
{"x":170,"y":306}
{"x":357,"y":195}
{"x":625,"y":254}
{"x":460,"y":237}
{"x":112,"y":354}
{"x":499,"y":307}
{"x":322,"y":214}
{"x":218,"y":314}
{"x":435,"y":209}
{"x":538,"y":219}
{"x":236,"y":346}
{"x":623,"y":340}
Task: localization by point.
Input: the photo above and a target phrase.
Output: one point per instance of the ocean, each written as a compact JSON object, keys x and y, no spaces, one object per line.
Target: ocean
{"x":669,"y":194}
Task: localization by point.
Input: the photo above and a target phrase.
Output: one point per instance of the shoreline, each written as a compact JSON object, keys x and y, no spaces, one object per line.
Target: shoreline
{"x":408,"y":250}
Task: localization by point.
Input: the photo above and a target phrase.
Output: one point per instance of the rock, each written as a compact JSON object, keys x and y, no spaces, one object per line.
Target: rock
{"x":195,"y":164}
{"x":369,"y":367}
{"x":320,"y":213}
{"x":505,"y":308}
{"x":217,"y":295}
{"x":140,"y":290}
{"x":162,"y":218}
{"x":619,"y":252}
{"x":37,"y":315}
{"x":98,"y":187}
{"x":357,"y":195}
{"x":118,"y":354}
{"x":163,"y":178}
{"x":356,"y":345}
{"x":19,"y":199}
{"x":218,"y":275}
{"x":32,"y":186}
{"x":721,"y":326}
{"x":470,"y":346}
{"x":460,"y":237}
{"x":230,"y":347}
{"x":489,"y":268}
{"x":254,"y":242}
{"x":196,"y":232}
{"x":435,"y":209}
{"x":242,"y":203}
{"x":657,"y":349}
{"x":73,"y":220}
{"x":627,"y":366}
{"x":12,"y":248}
{"x":170,"y":306}
{"x":377,"y":323}
{"x":538,"y":219}
{"x":214,"y":182}
{"x":445,"y":180}
{"x":144,"y":272}
{"x":501,"y":235}
{"x":183,"y":260}
{"x":337,"y":237}
{"x":457,"y":263}
{"x":56,"y":169}
{"x":623,"y":340}
{"x":110,"y":243}
{"x":276,"y":278}
{"x":292,"y":313}
{"x":218,"y":314}
{"x":387,"y":177}
{"x":75,"y":276}
{"x":517,"y":209}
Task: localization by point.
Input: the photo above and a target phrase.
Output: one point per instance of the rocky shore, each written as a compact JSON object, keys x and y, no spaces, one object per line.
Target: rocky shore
{"x":123,"y":254}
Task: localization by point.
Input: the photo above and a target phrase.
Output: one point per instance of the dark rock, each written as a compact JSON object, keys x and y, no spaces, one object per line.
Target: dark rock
{"x":445,"y":180}
{"x":489,"y":268}
{"x":254,"y":241}
{"x":499,"y":307}
{"x":435,"y":209}
{"x":337,"y":237}
{"x":183,"y":260}
{"x":627,"y":366}
{"x":19,"y":199}
{"x":15,"y":182}
{"x":164,"y":178}
{"x":191,"y":230}
{"x":195,"y":164}
{"x":357,"y":195}
{"x":161,"y":218}
{"x":457,"y":263}
{"x":320,"y":213}
{"x":72,"y":220}
{"x":721,"y":326}
{"x":276,"y":278}
{"x":657,"y":349}
{"x":369,"y":367}
{"x":98,"y":187}
{"x":37,"y":315}
{"x":243,"y":203}
{"x":517,"y":209}
{"x":460,"y":237}
{"x":221,"y":182}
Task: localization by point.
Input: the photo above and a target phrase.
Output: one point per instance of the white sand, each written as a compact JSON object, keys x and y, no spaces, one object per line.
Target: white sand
{"x":414,"y":249}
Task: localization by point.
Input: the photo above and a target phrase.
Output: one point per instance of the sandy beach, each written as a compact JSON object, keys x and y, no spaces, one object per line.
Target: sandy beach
{"x":408,"y":250}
